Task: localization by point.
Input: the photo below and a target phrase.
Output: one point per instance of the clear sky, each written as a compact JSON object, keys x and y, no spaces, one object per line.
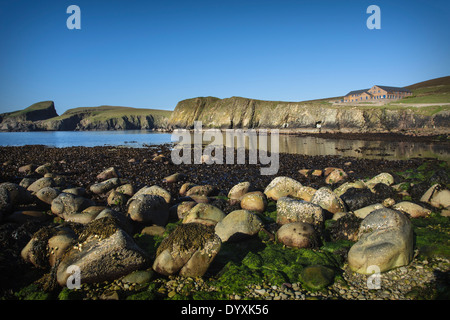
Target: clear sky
{"x":152,"y":54}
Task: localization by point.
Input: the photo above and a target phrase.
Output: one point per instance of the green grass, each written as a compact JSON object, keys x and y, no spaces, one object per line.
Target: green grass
{"x":37,"y":106}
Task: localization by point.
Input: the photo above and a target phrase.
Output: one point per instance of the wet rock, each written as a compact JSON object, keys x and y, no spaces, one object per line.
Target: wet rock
{"x":345,"y":228}
{"x":292,"y":210}
{"x":66,"y":204}
{"x":238,"y":191}
{"x":43,"y":169}
{"x":105,"y":186}
{"x":148,"y":209}
{"x":104,"y":252}
{"x":254,"y":201}
{"x":85,"y":216}
{"x":185,"y":187}
{"x":41,"y":183}
{"x":385,"y":240}
{"x":364,"y":212}
{"x":47,"y":194}
{"x":317,"y":277}
{"x":204,"y":213}
{"x":339,"y":191}
{"x":357,"y":198}
{"x":188,"y":250}
{"x":116,"y":198}
{"x":11,"y":195}
{"x":109,"y":173}
{"x":437,"y":196}
{"x":328,"y":200}
{"x":126,"y":189}
{"x":174,"y":178}
{"x":153,"y":190}
{"x":27,"y":168}
{"x":305,"y":193}
{"x":384,"y":177}
{"x":179,"y":210}
{"x":238,"y":225}
{"x":337,"y":175}
{"x":282,"y":187}
{"x":297,"y":235}
{"x":21,"y":217}
{"x":412,"y":209}
{"x":204,"y":190}
{"x":78,"y":191}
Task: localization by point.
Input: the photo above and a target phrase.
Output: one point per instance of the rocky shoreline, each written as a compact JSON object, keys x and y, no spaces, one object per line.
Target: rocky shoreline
{"x":129,"y":203}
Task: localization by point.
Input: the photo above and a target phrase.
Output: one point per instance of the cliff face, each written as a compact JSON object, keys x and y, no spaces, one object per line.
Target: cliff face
{"x":25,"y":120}
{"x":239,"y":112}
{"x":94,"y":118}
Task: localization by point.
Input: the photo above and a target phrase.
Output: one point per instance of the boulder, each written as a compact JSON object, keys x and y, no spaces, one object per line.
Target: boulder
{"x":317,"y":277}
{"x":412,"y":209}
{"x":385,"y":240}
{"x":297,"y":235}
{"x":188,"y":250}
{"x":27,"y":168}
{"x":105,"y":186}
{"x":204,"y":213}
{"x":66,"y":204}
{"x":41,"y":183}
{"x":47,"y":194}
{"x":109,"y":173}
{"x":254,"y":201}
{"x":237,"y":225}
{"x":282,"y":187}
{"x":328,"y":200}
{"x":292,"y":210}
{"x":77,"y":191}
{"x":148,"y":209}
{"x":180,"y":209}
{"x":185,"y":187}
{"x":437,"y":196}
{"x":238,"y":191}
{"x":85,"y":216}
{"x":364,"y":212}
{"x":153,"y":190}
{"x":357,"y":198}
{"x":11,"y":195}
{"x":116,"y":198}
{"x":43,"y":169}
{"x":305,"y":193}
{"x":126,"y":189}
{"x":174,"y":177}
{"x":385,"y":178}
{"x":359,"y":184}
{"x":204,"y":190}
{"x":104,"y":252}
{"x":337,"y":175}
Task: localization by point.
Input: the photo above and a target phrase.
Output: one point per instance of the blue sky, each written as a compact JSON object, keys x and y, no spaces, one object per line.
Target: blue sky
{"x":152,"y":54}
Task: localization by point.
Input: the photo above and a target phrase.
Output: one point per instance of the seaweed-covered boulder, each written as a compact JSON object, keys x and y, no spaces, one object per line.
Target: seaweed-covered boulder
{"x":237,"y":225}
{"x":66,"y":204}
{"x":148,"y":209}
{"x":385,"y":240}
{"x":204,"y":213}
{"x":282,"y":187}
{"x":357,"y":198}
{"x":12,"y":194}
{"x":317,"y":277}
{"x":328,"y":200}
{"x":293,"y":210}
{"x":188,"y":250}
{"x":297,"y":235}
{"x":103,"y":252}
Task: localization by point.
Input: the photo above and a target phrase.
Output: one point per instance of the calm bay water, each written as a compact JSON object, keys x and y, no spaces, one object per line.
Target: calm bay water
{"x":312,"y":146}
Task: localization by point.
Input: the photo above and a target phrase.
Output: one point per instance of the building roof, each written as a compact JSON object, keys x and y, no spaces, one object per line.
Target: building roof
{"x":357,"y":92}
{"x":391,"y":89}
{"x":386,"y":88}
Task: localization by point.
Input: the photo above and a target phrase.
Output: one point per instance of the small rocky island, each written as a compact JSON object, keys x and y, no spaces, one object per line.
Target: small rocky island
{"x":139,"y":227}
